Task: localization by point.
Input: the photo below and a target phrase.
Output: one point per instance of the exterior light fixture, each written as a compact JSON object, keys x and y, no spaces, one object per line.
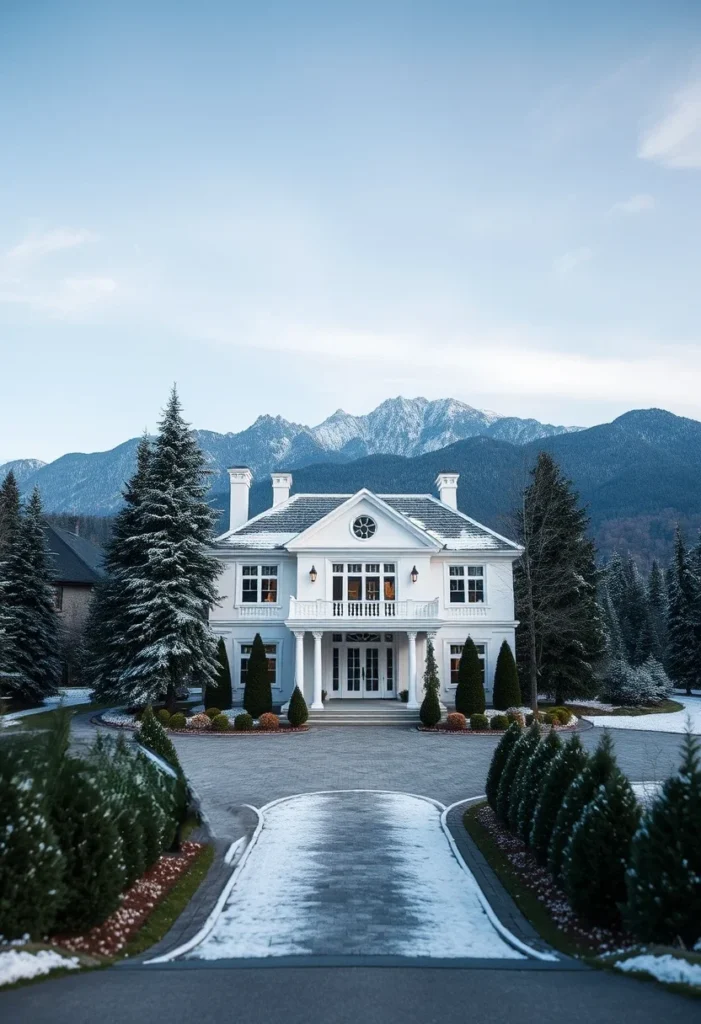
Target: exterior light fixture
{"x":312,"y":574}
{"x":414,"y":574}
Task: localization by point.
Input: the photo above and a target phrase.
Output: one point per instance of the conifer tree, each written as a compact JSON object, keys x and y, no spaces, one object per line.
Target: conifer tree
{"x":531,"y":739}
{"x":561,"y":772}
{"x":172,"y":591}
{"x":598,"y":769}
{"x":153,"y":735}
{"x":297,"y":712}
{"x":257,"y":695}
{"x":657,"y":604}
{"x":683,"y":655}
{"x":498,"y":762}
{"x":218,"y":695}
{"x":596,"y":857}
{"x":520,"y":751}
{"x":430,"y":711}
{"x":507,"y":692}
{"x":533,"y":780}
{"x":560,"y":636}
{"x":469,"y":693}
{"x":664,"y":880}
{"x":9,"y":510}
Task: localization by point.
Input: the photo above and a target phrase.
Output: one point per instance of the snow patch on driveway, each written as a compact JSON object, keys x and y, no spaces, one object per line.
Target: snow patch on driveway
{"x":667,"y":968}
{"x":19,"y":965}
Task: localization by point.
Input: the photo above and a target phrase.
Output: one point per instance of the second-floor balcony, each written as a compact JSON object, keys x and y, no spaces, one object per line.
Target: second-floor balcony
{"x":354,"y":610}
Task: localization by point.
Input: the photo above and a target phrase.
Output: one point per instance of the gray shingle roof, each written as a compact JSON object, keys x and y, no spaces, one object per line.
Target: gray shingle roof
{"x":73,"y":559}
{"x":277,"y":526}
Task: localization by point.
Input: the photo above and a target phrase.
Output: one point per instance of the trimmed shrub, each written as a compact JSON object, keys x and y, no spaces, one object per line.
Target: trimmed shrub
{"x":596,"y":856}
{"x":220,"y":723}
{"x":479,"y":722}
{"x":514,"y":715}
{"x":297,"y":712}
{"x":430,"y":711}
{"x":664,"y":880}
{"x":455,"y":722}
{"x":551,"y":718}
{"x":201,"y":722}
{"x":507,"y":783}
{"x":257,"y":695}
{"x":531,"y":718}
{"x":218,"y":693}
{"x":404,"y":696}
{"x":212,"y":713}
{"x":501,"y":722}
{"x":596,"y":772}
{"x":243,"y":722}
{"x":469,"y":693}
{"x":114,"y":766}
{"x":499,"y":759}
{"x":163,"y":716}
{"x":531,"y":739}
{"x":532,"y":783}
{"x":564,"y":715}
{"x":507,"y":692}
{"x":561,"y":771}
{"x":153,"y":736}
{"x":268,"y":722}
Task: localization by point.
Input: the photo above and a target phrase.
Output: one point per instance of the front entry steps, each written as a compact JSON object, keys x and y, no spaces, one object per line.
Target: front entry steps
{"x":364,"y":712}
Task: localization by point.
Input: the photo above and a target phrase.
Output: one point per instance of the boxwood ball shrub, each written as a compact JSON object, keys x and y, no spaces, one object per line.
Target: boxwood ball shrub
{"x":177,"y":721}
{"x":297,"y":712}
{"x":564,"y":715}
{"x":531,"y":718}
{"x":455,"y":722}
{"x":268,"y":722}
{"x":243,"y":722}
{"x":499,"y":759}
{"x":212,"y":712}
{"x":551,"y":718}
{"x":501,"y":722}
{"x":479,"y":722}
{"x":220,"y":723}
{"x":164,"y":716}
{"x":201,"y":722}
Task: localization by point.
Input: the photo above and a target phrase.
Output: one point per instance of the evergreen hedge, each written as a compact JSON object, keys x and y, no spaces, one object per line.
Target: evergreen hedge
{"x":498,"y":762}
{"x":507,"y":692}
{"x":218,"y":692}
{"x":297,"y":712}
{"x":532,"y":783}
{"x":153,"y":735}
{"x":469,"y":693}
{"x":257,"y":695}
{"x":531,"y":739}
{"x":509,"y":776}
{"x":561,"y":772}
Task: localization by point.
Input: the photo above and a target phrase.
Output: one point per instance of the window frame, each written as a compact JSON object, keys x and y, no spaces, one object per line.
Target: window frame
{"x":260,"y":577}
{"x":484,"y":658}
{"x":466,"y":576}
{"x":275,"y":642}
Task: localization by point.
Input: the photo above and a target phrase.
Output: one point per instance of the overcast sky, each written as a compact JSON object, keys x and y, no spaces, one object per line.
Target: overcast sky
{"x":291,"y":207}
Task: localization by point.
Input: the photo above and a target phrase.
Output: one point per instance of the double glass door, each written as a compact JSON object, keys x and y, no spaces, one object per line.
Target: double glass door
{"x":363,"y":671}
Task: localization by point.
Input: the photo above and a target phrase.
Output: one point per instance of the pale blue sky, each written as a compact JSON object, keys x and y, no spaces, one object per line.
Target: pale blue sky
{"x":291,"y":207}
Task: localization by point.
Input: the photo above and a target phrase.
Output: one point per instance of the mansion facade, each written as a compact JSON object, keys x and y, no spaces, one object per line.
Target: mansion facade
{"x":345,"y":590}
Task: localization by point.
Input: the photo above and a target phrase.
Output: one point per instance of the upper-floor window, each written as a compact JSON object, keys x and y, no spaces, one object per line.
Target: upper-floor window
{"x":259,"y":584}
{"x":364,"y":581}
{"x":473,"y":575}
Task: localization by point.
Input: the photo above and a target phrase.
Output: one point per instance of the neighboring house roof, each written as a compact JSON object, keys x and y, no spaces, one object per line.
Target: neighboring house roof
{"x":277,"y":526}
{"x":74,"y":559}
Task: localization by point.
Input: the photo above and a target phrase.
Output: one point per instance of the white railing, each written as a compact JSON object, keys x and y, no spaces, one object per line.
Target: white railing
{"x":259,"y":611}
{"x":466,"y":611}
{"x":381,"y":610}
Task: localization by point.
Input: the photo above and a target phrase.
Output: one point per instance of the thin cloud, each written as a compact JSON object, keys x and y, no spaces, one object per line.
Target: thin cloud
{"x":567,"y":264}
{"x":675,"y":141}
{"x":34,"y":246}
{"x":636,"y":204}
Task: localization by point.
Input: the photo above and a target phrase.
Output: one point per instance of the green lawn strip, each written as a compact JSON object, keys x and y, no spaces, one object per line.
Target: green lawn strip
{"x":164,"y":916}
{"x":666,"y":707}
{"x":609,"y":960}
{"x":525,"y":899}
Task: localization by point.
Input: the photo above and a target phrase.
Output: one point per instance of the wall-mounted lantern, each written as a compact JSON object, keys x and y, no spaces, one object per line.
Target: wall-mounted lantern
{"x":414,"y":574}
{"x":312,"y":574}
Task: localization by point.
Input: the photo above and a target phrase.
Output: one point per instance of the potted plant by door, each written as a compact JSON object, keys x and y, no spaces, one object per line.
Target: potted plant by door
{"x":324,"y":696}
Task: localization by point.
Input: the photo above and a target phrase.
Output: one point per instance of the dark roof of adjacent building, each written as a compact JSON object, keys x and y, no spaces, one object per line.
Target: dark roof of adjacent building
{"x":73,"y":559}
{"x":279,"y":525}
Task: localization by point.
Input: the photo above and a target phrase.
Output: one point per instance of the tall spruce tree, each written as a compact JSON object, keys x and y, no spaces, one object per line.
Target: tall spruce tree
{"x":171,"y":593}
{"x":683,"y":654}
{"x":560,"y":636}
{"x":657,"y":603}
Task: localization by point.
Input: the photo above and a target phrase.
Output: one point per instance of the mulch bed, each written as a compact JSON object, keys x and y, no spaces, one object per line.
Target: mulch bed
{"x":541,"y":883}
{"x":209,"y":733}
{"x":108,"y":938}
{"x":442,"y":730}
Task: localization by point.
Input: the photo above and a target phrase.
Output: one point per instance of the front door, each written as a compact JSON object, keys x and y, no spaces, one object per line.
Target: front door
{"x":363,"y":671}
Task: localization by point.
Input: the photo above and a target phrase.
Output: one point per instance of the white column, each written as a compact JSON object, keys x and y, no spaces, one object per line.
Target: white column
{"x":299,"y":661}
{"x":412,"y":702}
{"x":317,"y":703}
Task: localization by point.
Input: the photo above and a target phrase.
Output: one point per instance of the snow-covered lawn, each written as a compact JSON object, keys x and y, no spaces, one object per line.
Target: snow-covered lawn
{"x":665,"y":968}
{"x":353,"y":873}
{"x":18,"y":964}
{"x":674,"y":721}
{"x":68,"y":698}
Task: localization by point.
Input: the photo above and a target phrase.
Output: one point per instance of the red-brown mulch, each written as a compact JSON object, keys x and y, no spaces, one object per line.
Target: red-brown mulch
{"x":108,"y":938}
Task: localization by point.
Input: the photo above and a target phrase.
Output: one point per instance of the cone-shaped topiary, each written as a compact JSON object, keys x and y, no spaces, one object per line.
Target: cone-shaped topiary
{"x":509,"y":776}
{"x":499,"y":759}
{"x":562,"y":770}
{"x":582,"y":790}
{"x":532,"y":782}
{"x":257,"y":695}
{"x":297,"y":712}
{"x":596,"y":857}
{"x":507,"y":692}
{"x":469,"y":694}
{"x":664,"y":880}
{"x":218,"y":693}
{"x":153,"y":735}
{"x":430,"y":712}
{"x":531,"y":739}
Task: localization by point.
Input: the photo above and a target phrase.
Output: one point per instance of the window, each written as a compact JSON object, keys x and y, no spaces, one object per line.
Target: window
{"x":475,"y":584}
{"x":455,"y":653}
{"x":58,"y":599}
{"x":389,"y":585}
{"x":259,"y":584}
{"x":336,"y":677}
{"x":271,"y":652}
{"x":337,"y":638}
{"x":364,"y":527}
{"x":457,"y":584}
{"x":364,"y":581}
{"x":390,"y":669}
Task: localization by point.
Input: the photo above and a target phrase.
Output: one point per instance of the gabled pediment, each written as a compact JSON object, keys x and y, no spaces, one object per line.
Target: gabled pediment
{"x":383,"y":527}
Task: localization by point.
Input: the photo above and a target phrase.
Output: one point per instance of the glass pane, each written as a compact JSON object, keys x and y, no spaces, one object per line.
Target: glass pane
{"x":268,"y":590}
{"x":336,"y":669}
{"x":269,"y":570}
{"x":475,"y":591}
{"x":372,"y":588}
{"x":372,"y":567}
{"x":337,"y":588}
{"x":250,"y":570}
{"x":338,"y":567}
{"x":355,"y":567}
{"x":475,"y":570}
{"x":457,"y":570}
{"x":355,"y":588}
{"x":249,"y":591}
{"x":389,"y":566}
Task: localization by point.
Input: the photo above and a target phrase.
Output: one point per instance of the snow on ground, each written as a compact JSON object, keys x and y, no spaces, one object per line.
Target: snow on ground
{"x":17,"y":964}
{"x":67,"y":698}
{"x":665,"y":968}
{"x":675,"y":721}
{"x":646,"y":792}
{"x":353,"y":874}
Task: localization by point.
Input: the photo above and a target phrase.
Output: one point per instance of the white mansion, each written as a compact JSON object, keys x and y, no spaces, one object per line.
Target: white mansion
{"x":345,"y":589}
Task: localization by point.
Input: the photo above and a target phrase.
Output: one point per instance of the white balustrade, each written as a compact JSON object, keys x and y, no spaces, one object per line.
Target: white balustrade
{"x":382,"y":610}
{"x":258,"y":611}
{"x":466,"y":611}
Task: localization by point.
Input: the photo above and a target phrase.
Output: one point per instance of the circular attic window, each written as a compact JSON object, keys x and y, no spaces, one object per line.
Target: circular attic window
{"x":364,"y":527}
